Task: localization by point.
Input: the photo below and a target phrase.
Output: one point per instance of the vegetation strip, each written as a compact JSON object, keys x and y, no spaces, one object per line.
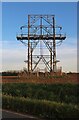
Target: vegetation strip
{"x":42,"y":108}
{"x":68,"y":93}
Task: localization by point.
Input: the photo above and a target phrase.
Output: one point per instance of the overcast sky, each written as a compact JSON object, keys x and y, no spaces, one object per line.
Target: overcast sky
{"x":15,"y":15}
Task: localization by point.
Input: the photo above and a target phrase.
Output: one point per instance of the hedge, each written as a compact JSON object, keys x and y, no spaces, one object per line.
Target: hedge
{"x":42,"y":108}
{"x":10,"y":73}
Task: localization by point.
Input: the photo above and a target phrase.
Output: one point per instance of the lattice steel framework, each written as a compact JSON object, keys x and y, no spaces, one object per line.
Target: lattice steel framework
{"x":41,"y":28}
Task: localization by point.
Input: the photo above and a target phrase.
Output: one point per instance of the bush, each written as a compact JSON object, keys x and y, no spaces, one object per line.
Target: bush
{"x":42,"y":108}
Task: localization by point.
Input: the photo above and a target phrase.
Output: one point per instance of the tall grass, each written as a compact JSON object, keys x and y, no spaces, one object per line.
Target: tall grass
{"x":43,"y":108}
{"x":68,"y":93}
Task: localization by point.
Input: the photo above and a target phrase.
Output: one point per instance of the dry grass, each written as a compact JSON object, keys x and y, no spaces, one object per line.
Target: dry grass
{"x":70,"y":78}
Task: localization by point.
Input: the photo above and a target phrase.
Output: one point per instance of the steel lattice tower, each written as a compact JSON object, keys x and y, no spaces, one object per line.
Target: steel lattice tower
{"x":41,"y":28}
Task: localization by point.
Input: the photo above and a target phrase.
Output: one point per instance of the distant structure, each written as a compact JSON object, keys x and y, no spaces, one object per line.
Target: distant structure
{"x":42,"y":33}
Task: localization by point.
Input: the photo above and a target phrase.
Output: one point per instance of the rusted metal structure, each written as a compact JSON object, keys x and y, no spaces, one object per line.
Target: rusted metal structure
{"x":41,"y":28}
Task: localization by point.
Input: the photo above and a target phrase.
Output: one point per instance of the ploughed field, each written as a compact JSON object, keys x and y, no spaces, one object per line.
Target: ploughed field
{"x":65,"y":78}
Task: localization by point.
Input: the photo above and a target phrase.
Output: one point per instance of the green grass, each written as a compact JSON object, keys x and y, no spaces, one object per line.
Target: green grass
{"x":68,"y":93}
